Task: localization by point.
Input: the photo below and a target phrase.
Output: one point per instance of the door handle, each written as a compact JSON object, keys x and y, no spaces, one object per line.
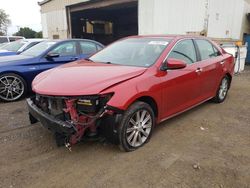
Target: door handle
{"x":198,"y":70}
{"x":222,"y":62}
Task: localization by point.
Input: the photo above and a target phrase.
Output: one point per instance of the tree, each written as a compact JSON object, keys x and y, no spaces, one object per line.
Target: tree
{"x":26,"y":32}
{"x":4,"y":22}
{"x":39,"y":34}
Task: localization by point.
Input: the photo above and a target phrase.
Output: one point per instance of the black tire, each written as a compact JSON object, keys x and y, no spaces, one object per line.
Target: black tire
{"x":143,"y":127}
{"x":219,"y":98}
{"x":19,"y":87}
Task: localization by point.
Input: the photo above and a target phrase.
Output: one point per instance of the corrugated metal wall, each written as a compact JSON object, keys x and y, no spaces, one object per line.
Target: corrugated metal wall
{"x":225,"y":18}
{"x":55,"y":23}
{"x":54,"y":19}
{"x":171,"y":16}
{"x":222,"y":19}
{"x":55,"y":5}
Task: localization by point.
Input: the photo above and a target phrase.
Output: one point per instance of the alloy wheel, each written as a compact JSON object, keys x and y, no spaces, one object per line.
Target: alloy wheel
{"x":223,"y":88}
{"x":139,"y":128}
{"x":11,"y":88}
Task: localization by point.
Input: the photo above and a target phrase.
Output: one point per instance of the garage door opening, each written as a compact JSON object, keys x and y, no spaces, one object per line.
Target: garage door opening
{"x":105,"y":24}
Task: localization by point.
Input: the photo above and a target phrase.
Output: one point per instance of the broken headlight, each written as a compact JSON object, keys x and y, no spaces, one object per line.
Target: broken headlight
{"x":92,"y":104}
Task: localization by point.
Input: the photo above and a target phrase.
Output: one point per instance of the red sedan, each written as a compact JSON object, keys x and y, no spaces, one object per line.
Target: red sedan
{"x":123,"y":91}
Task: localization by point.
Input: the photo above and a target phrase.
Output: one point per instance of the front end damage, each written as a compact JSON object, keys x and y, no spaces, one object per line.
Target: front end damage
{"x":73,"y":118}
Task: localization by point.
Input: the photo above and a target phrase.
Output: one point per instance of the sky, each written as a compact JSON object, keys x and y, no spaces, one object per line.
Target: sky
{"x":22,"y":13}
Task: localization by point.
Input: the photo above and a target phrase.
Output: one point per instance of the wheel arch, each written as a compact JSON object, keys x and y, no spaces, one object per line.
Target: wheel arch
{"x":15,"y":72}
{"x":151,"y":102}
{"x":230,"y":78}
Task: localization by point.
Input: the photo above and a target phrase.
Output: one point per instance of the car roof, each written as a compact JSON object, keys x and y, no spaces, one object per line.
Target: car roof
{"x":64,"y":40}
{"x":34,"y":40}
{"x":12,"y":36}
{"x":167,"y":36}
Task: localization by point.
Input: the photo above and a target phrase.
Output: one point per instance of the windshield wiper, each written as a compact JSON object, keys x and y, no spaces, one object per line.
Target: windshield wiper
{"x":105,"y":62}
{"x":108,"y":62}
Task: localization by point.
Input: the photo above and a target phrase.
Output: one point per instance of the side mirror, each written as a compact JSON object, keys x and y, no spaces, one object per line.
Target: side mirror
{"x":172,"y":63}
{"x":52,"y":55}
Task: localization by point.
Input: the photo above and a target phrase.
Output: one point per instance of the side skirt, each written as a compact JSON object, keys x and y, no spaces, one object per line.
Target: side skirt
{"x":178,"y":113}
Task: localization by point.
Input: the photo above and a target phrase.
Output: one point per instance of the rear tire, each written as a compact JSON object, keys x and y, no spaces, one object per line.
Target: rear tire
{"x":136,"y":126}
{"x":12,"y":87}
{"x":222,"y":91}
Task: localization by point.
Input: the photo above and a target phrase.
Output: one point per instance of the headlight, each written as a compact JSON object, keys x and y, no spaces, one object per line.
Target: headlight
{"x":92,"y":104}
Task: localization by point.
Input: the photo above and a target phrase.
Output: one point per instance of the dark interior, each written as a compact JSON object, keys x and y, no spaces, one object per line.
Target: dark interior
{"x":123,"y":17}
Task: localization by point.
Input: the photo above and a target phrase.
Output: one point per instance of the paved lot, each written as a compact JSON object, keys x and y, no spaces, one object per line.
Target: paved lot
{"x":215,"y":139}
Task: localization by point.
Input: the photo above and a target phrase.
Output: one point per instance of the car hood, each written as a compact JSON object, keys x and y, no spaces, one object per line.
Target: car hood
{"x":83,"y":78}
{"x":13,"y":59}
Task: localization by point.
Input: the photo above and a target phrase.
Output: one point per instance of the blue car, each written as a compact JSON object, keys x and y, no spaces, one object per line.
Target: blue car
{"x":18,"y":71}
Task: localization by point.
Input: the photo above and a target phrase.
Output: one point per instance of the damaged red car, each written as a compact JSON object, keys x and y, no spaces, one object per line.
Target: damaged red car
{"x":123,"y":91}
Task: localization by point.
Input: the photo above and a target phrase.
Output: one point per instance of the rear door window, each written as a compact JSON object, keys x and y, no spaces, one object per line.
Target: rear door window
{"x":207,"y":50}
{"x":185,"y":51}
{"x":3,"y":39}
{"x":88,"y":47}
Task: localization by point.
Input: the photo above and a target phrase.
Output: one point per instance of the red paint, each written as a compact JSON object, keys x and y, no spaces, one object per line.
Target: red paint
{"x":175,"y":64}
{"x":173,"y":91}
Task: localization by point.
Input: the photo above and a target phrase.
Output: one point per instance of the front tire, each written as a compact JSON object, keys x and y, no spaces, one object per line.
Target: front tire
{"x":12,"y":87}
{"x":222,"y":90}
{"x":136,"y":126}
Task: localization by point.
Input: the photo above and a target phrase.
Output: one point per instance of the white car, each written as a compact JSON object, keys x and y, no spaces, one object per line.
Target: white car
{"x":16,"y":47}
{"x":4,"y":39}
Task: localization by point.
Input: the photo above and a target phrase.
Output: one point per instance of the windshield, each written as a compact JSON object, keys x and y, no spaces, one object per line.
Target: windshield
{"x":141,"y":52}
{"x":14,"y":46}
{"x":38,"y":49}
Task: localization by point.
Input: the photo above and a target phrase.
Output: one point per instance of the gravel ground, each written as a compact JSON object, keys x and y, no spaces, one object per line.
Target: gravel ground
{"x":208,"y":146}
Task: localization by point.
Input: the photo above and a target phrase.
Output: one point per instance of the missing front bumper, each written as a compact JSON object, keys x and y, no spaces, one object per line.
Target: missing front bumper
{"x":50,"y":122}
{"x":107,"y":125}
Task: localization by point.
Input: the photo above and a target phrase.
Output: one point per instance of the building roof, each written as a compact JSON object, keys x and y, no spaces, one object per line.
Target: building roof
{"x":43,"y":2}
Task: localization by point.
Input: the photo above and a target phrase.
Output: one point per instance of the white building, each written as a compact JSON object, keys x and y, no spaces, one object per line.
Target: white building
{"x":108,"y":20}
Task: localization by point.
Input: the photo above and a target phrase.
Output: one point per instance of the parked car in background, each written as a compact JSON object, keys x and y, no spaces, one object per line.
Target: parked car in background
{"x":19,"y":46}
{"x":18,"y":71}
{"x":127,"y":88}
{"x":3,"y":44}
{"x":4,"y":39}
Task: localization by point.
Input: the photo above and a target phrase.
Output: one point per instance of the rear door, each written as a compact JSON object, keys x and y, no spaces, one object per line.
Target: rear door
{"x":181,"y":87}
{"x":67,"y":52}
{"x":211,"y":67}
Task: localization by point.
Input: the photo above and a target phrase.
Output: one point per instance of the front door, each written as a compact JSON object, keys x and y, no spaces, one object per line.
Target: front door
{"x":67,"y":52}
{"x":181,"y":87}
